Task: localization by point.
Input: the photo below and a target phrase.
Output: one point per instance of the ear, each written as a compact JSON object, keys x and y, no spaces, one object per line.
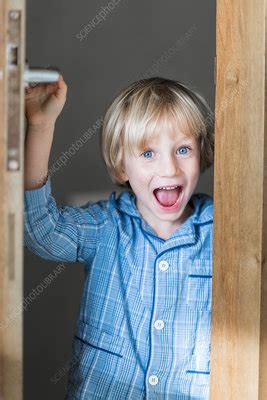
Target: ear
{"x":123,"y":174}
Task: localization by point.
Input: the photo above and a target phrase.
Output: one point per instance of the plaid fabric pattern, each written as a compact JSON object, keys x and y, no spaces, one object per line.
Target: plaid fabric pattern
{"x":143,"y":330}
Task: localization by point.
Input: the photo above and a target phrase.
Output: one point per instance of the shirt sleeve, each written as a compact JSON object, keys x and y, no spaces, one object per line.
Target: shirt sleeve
{"x":58,"y":233}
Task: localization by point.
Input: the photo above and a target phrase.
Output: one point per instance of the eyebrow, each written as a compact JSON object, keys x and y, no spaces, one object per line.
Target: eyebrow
{"x":180,"y":140}
{"x":186,"y":139}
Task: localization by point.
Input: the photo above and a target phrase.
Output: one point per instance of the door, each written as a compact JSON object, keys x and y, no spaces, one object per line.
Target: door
{"x":239,"y":322}
{"x":14,"y":76}
{"x":12,"y":49}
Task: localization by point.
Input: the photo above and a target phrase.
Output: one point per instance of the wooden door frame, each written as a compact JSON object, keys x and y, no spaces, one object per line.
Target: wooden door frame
{"x":12,"y":12}
{"x":239,"y":288}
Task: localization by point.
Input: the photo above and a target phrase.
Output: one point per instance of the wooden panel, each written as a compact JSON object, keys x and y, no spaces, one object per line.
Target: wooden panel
{"x":11,"y":211}
{"x":239,"y":292}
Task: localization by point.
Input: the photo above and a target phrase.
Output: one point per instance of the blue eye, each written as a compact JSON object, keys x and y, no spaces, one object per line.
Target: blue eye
{"x":184,"y":147}
{"x":147,"y":152}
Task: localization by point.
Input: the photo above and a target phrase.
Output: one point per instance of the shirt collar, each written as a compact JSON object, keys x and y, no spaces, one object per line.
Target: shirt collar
{"x":201,"y":202}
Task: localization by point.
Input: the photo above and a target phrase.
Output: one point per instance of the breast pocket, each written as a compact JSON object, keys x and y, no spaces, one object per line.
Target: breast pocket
{"x":198,"y":375}
{"x":199,"y":289}
{"x":199,"y":364}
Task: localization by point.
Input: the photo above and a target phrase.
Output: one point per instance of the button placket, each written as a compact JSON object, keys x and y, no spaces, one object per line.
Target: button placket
{"x":158,"y":324}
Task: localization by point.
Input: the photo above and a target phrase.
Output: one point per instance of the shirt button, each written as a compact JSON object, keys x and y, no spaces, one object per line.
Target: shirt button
{"x":163,"y":265}
{"x":159,"y":324}
{"x":153,"y":379}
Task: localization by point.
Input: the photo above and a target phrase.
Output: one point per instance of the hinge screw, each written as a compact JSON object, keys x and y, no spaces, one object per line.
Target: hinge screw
{"x":14,"y":14}
{"x":13,"y":165}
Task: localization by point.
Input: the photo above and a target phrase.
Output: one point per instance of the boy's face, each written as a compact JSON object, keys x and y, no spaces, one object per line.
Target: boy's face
{"x":170,"y":159}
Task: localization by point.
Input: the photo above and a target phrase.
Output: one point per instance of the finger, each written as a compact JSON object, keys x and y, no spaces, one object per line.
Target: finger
{"x":61,"y":87}
{"x":61,"y":83}
{"x":34,"y":84}
{"x":53,"y":85}
{"x":28,"y":89}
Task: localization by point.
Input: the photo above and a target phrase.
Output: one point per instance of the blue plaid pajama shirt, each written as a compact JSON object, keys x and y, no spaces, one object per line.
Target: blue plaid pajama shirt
{"x":143,"y":330}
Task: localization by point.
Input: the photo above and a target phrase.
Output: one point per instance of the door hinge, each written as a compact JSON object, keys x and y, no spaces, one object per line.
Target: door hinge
{"x":13,"y":89}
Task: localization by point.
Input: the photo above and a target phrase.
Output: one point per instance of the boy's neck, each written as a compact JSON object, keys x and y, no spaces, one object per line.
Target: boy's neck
{"x":166,"y":231}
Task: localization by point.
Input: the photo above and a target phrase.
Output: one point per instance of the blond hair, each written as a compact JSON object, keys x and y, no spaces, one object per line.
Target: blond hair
{"x":147,"y":107}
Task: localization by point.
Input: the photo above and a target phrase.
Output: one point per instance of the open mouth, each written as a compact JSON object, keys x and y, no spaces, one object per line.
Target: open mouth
{"x":168,"y":196}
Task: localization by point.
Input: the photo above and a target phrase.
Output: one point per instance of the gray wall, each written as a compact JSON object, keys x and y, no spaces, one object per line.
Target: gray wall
{"x":174,"y":39}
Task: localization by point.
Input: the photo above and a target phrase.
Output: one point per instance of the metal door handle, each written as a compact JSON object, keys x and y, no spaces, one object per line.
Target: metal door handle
{"x":14,"y":61}
{"x":40,"y":75}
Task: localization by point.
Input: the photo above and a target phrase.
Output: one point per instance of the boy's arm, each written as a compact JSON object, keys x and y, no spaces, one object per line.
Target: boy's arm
{"x":38,"y":143}
{"x":58,"y":233}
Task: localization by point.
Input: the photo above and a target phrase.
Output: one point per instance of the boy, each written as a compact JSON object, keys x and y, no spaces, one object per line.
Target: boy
{"x":143,"y":330}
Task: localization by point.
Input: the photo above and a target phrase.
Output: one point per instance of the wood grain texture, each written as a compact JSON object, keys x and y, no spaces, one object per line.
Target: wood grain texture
{"x":11,"y":225}
{"x":239,"y":293}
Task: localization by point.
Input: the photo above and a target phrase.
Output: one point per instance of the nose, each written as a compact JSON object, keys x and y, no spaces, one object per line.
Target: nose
{"x":168,"y":166}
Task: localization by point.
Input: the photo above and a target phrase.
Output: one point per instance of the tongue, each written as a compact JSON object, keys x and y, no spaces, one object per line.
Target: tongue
{"x":167,"y":197}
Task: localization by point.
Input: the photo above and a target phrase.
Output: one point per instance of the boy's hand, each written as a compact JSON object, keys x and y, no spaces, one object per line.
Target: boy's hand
{"x":44,"y":102}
